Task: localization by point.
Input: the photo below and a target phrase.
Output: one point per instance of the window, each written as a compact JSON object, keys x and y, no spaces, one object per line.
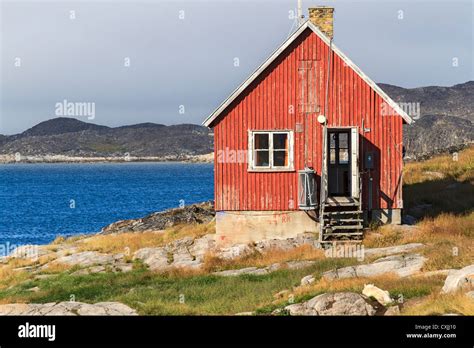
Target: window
{"x":339,"y":148}
{"x":343,"y":148}
{"x":271,"y":150}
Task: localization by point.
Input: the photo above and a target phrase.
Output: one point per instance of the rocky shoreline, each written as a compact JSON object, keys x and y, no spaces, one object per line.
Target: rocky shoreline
{"x":54,"y":158}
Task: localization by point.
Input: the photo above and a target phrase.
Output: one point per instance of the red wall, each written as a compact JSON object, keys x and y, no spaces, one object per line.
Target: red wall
{"x":266,"y":104}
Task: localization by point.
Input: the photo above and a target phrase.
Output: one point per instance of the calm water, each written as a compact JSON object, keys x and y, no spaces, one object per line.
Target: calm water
{"x":41,"y":201}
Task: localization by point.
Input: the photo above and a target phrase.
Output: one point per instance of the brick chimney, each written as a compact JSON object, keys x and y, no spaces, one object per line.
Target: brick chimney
{"x":323,"y":18}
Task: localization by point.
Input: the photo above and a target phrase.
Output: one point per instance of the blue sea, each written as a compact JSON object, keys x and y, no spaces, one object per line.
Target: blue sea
{"x":39,"y":202}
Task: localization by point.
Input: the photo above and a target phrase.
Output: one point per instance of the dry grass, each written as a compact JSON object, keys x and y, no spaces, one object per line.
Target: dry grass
{"x":120,"y":243}
{"x":399,"y":290}
{"x":460,"y":170}
{"x":440,"y":184}
{"x":9,"y":277}
{"x":130,"y":242}
{"x":448,"y":238}
{"x":304,"y":252}
{"x":19,"y":262}
{"x":56,"y":267}
{"x":437,"y":304}
{"x":192,"y":230}
{"x":417,"y":295}
{"x":392,"y":283}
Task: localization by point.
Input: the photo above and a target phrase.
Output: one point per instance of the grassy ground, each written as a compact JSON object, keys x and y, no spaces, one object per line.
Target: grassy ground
{"x":162,"y":294}
{"x":443,"y":184}
{"x":443,"y":187}
{"x":131,"y":242}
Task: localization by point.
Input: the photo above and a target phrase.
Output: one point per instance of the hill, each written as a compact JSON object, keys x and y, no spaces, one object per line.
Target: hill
{"x":457,"y":100}
{"x":74,"y":138}
{"x":446,"y":117}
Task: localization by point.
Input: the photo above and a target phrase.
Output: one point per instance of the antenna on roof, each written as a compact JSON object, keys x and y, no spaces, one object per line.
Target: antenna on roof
{"x":300,"y":13}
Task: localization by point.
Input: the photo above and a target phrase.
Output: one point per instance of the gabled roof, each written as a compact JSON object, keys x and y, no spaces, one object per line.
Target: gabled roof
{"x":210,"y":119}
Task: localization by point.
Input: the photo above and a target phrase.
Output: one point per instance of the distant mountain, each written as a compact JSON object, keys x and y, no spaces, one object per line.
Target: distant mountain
{"x":61,"y":125}
{"x":434,"y":134}
{"x":446,"y":117}
{"x":457,"y":100}
{"x":72,"y":137}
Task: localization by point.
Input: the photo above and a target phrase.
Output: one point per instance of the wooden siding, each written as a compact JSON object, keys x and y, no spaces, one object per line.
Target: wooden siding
{"x":278,"y":100}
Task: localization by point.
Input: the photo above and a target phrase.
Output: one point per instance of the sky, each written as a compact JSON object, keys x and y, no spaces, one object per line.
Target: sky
{"x":174,"y":62}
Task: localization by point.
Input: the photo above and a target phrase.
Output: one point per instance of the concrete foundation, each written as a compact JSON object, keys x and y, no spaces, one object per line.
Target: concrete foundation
{"x":236,"y":227}
{"x":387,"y":216}
{"x":242,"y":227}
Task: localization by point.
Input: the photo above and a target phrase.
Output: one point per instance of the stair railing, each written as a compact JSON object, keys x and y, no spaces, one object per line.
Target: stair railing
{"x":323,"y":185}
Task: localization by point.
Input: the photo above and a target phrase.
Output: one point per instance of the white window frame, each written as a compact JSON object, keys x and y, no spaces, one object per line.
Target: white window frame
{"x":270,"y":167}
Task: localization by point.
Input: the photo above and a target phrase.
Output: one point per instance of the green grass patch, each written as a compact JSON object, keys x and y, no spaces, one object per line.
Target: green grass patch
{"x":162,"y":294}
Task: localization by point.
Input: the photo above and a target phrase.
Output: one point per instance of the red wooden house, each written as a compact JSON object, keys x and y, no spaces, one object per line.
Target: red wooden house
{"x":308,"y":143}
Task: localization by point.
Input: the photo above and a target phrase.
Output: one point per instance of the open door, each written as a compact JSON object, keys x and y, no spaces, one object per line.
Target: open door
{"x":339,"y":162}
{"x":343,"y":162}
{"x":355,"y":188}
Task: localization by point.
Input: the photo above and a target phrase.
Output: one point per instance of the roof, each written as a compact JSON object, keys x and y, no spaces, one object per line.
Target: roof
{"x":210,"y":119}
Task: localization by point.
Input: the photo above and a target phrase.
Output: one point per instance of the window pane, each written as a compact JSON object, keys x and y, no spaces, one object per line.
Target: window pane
{"x":343,"y":156}
{"x":280,"y":141}
{"x":262,"y":159}
{"x":332,"y":156}
{"x":343,"y":140}
{"x":280,"y":158}
{"x":261,"y":141}
{"x":332,"y":140}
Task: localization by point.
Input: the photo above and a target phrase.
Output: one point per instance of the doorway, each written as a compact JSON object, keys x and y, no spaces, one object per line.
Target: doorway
{"x":339,"y":162}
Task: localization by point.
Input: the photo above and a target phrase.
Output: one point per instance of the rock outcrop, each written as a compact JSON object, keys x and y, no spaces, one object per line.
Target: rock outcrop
{"x":343,"y":303}
{"x":401,"y":265}
{"x":393,"y":250}
{"x":66,"y":308}
{"x":186,"y":252}
{"x":462,"y":279}
{"x":382,"y":296}
{"x":265,"y":270}
{"x":195,"y":213}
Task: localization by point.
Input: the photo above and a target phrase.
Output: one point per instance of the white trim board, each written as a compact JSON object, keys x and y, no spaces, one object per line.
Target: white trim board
{"x":210,"y":119}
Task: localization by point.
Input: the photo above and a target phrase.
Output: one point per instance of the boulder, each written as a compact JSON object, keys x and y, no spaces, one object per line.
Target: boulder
{"x":202,"y":246}
{"x":155,"y":258}
{"x":235,"y":251}
{"x":440,"y":272}
{"x":299,"y":264}
{"x":309,"y":279}
{"x":195,"y":213}
{"x":241,"y":271}
{"x":190,"y":253}
{"x":382,"y":296}
{"x":401,"y":265}
{"x":459,"y":279}
{"x":301,"y":239}
{"x":342,"y":303}
{"x":185,"y":252}
{"x":88,"y":258}
{"x":392,"y":310}
{"x":398,"y":249}
{"x":265,"y":270}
